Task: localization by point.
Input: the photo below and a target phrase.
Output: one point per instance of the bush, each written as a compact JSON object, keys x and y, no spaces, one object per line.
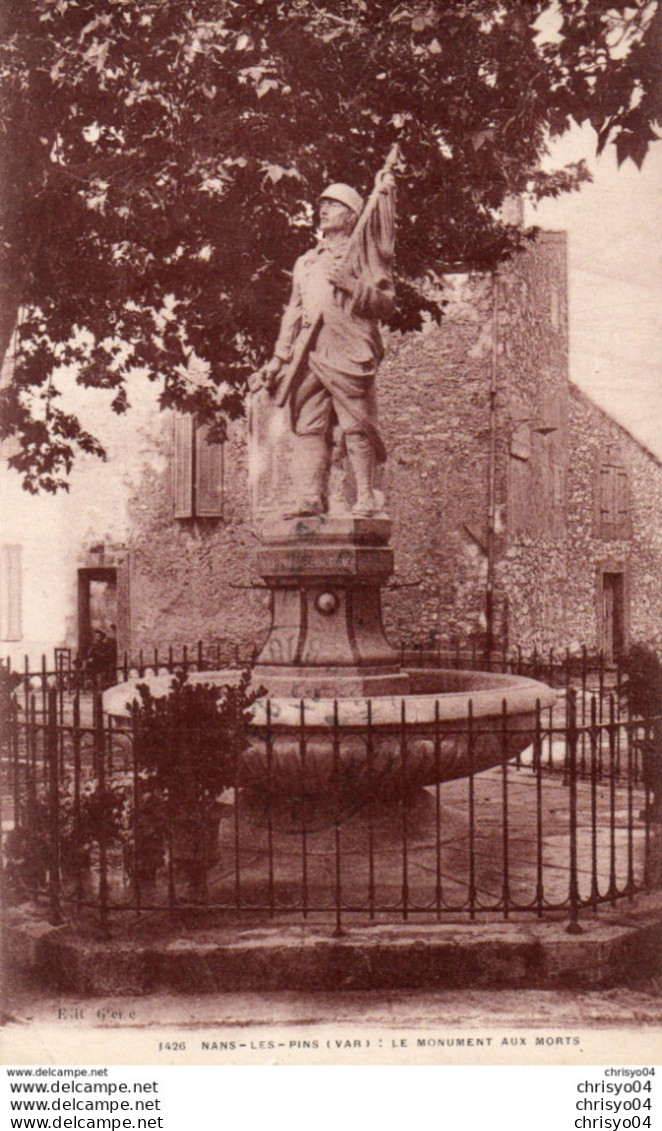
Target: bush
{"x":29,"y":848}
{"x":643,"y":681}
{"x":188,"y":742}
{"x":187,"y":748}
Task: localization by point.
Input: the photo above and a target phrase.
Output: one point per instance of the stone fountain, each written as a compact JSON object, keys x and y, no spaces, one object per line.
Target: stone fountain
{"x":339,"y":703}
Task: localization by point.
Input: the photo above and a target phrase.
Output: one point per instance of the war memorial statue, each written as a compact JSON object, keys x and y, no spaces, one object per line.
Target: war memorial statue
{"x":325,"y":567}
{"x":329,"y":347}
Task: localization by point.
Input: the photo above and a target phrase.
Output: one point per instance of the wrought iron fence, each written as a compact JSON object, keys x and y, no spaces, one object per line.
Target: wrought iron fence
{"x":587,"y":672}
{"x":567,"y":826}
{"x":560,"y":668}
{"x":68,"y":670}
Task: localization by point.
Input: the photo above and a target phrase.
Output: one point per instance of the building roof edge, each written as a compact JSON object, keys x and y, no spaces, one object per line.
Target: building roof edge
{"x":580,"y":395}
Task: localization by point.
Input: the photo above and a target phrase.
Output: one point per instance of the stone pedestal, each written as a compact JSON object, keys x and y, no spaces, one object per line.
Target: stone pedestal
{"x":326,"y":638}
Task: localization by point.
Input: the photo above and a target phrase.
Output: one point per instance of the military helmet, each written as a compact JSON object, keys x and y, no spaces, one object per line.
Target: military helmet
{"x":346,"y":195}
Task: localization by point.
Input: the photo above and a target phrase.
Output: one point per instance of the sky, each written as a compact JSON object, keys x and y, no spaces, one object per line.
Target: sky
{"x":614,"y":228}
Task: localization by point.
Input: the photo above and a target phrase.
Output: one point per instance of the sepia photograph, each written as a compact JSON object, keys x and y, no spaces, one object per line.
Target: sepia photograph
{"x":331,"y":532}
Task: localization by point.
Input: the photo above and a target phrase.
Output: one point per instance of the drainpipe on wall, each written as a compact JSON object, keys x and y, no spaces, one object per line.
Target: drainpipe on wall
{"x":491,"y":474}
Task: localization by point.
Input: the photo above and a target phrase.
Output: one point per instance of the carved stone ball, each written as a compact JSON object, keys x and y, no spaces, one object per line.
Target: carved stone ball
{"x":327,"y":603}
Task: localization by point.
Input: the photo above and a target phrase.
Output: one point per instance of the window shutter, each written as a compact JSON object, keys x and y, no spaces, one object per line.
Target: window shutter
{"x":183,"y":466}
{"x":208,"y":476}
{"x":606,"y":495}
{"x":519,"y":493}
{"x":614,"y":501}
{"x":622,"y":507}
{"x":520,"y":442}
{"x":10,"y":593}
{"x":11,"y":446}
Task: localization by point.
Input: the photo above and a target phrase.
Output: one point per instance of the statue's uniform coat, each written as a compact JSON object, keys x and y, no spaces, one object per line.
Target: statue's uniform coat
{"x":340,"y":370}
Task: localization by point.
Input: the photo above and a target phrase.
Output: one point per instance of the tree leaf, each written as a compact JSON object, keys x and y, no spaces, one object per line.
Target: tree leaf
{"x":274,"y":172}
{"x":265,"y":85}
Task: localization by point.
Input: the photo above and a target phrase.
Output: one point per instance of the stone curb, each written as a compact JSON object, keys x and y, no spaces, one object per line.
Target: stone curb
{"x":616,"y":946}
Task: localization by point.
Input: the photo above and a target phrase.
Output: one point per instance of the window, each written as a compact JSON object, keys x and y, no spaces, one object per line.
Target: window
{"x":11,"y":446}
{"x":10,"y":593}
{"x":613,"y":499}
{"x":536,"y":489}
{"x":198,"y":471}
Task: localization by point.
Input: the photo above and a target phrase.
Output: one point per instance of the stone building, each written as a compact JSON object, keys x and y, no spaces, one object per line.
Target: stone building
{"x":614,"y":581}
{"x":522,"y":514}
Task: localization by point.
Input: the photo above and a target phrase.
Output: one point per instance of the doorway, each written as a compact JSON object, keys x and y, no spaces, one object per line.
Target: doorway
{"x":613,"y":614}
{"x":97,"y":605}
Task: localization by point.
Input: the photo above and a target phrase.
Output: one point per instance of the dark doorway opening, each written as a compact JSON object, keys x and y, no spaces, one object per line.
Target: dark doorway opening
{"x":613,"y":614}
{"x":97,"y":605}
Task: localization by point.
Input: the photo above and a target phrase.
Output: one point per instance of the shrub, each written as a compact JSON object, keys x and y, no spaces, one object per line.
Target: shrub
{"x":189,"y":741}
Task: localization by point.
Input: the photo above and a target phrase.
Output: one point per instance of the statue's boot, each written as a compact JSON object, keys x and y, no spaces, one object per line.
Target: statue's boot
{"x":362,"y":460}
{"x":310,"y":460}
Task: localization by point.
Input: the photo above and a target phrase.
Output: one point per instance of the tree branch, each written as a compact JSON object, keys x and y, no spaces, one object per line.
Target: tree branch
{"x":335,"y":19}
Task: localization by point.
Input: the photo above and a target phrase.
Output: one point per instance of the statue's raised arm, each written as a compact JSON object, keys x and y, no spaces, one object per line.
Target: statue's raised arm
{"x":329,"y":346}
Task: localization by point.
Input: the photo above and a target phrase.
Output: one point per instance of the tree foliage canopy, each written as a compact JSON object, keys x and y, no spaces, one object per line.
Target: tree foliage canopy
{"x":160,"y":157}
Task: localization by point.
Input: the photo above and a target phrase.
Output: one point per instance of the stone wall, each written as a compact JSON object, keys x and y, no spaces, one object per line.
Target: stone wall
{"x":434,"y":408}
{"x":191,"y":579}
{"x":533,"y":447}
{"x":498,"y":363}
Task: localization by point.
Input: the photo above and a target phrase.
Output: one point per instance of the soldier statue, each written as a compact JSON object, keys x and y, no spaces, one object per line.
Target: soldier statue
{"x":329,"y":347}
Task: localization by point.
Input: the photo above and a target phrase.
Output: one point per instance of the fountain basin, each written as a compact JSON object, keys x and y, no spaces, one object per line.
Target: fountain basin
{"x":451,"y":724}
